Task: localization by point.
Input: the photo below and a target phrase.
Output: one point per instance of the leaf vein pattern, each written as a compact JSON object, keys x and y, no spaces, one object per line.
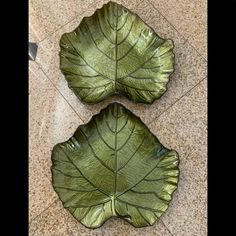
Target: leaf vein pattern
{"x":72,"y":62}
{"x":149,"y":68}
{"x":89,"y":94}
{"x":127,"y":140}
{"x":164,"y":178}
{"x":115,"y":153}
{"x":123,"y":125}
{"x":83,"y":174}
{"x":150,"y":58}
{"x":143,"y":216}
{"x":100,"y":27}
{"x":135,"y":88}
{"x":132,"y":155}
{"x":75,"y":190}
{"x":126,"y":34}
{"x":73,"y":177}
{"x":130,"y":49}
{"x":141,"y":95}
{"x":150,"y":192}
{"x":142,"y":178}
{"x":100,"y":135}
{"x":92,"y":87}
{"x":139,"y":78}
{"x":123,"y":24}
{"x":96,"y":44}
{"x":109,"y":23}
{"x":72,"y":73}
{"x":86,"y":213}
{"x":83,"y":206}
{"x":62,"y":161}
{"x":85,"y":60}
{"x":137,"y":206}
{"x":116,"y":16}
{"x":72,"y":197}
{"x":94,"y":154}
{"x":109,"y":126}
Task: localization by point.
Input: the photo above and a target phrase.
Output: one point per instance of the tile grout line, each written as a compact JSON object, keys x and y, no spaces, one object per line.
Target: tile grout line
{"x":55,"y":201}
{"x":170,"y":25}
{"x":166,"y":227}
{"x":176,"y":101}
{"x":52,"y":32}
{"x":59,"y":92}
{"x":205,"y":60}
{"x":138,"y":4}
{"x":77,"y":15}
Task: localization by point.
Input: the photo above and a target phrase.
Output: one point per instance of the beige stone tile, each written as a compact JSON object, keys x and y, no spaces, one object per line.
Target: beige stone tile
{"x":190,"y":19}
{"x":112,"y":227}
{"x":32,"y":35}
{"x":190,"y":68}
{"x":117,"y":227}
{"x":41,"y":193}
{"x":51,"y":120}
{"x":51,"y":222}
{"x":48,"y":52}
{"x":46,"y":216}
{"x":56,"y":220}
{"x":184,"y":128}
{"x":46,"y":16}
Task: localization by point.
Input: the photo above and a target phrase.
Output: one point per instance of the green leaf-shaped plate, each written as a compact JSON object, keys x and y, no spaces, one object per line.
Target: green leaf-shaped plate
{"x":114,"y":166}
{"x":114,"y":51}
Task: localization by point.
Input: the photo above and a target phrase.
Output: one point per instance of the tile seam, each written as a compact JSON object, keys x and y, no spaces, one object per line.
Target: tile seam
{"x":76,"y":16}
{"x":167,"y":228}
{"x":59,"y":91}
{"x":184,"y":38}
{"x":181,"y":36}
{"x":52,"y":32}
{"x":202,"y":57}
{"x":35,"y":218}
{"x":179,"y":99}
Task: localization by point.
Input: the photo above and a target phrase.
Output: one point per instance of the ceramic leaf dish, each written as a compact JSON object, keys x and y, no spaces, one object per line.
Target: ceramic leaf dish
{"x":115,"y":52}
{"x":114,"y":166}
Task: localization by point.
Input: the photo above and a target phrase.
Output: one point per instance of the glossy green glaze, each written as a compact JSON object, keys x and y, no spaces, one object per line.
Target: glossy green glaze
{"x":114,"y":166}
{"x":114,"y":51}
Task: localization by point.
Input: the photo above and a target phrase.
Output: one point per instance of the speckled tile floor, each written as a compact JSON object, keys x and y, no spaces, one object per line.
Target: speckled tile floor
{"x":178,"y":119}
